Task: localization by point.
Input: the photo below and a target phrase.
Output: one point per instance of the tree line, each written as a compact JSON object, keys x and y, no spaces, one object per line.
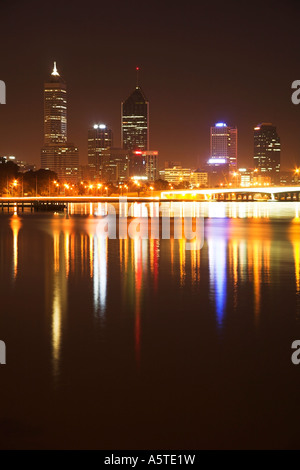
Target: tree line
{"x":31,"y":183}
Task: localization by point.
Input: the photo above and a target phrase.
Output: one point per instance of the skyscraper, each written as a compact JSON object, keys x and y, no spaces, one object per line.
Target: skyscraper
{"x":144,"y":164}
{"x":135,"y":120}
{"x":55,"y":109}
{"x":100,"y":138}
{"x":267,"y":150}
{"x":57,"y":154}
{"x":223,"y":145}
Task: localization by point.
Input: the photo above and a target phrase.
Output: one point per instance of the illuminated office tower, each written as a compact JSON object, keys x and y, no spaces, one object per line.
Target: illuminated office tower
{"x":135,"y":120}
{"x":144,"y":165}
{"x":58,"y":154}
{"x":223,"y":145}
{"x":99,"y":139}
{"x":55,"y":109}
{"x":233,"y":148}
{"x":267,"y":150}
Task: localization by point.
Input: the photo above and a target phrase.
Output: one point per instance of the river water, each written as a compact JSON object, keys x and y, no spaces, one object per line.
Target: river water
{"x":142,"y":343}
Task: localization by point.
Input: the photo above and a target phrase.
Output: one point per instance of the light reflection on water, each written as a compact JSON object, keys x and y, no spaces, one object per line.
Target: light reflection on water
{"x":121,"y":288}
{"x":235,"y":252}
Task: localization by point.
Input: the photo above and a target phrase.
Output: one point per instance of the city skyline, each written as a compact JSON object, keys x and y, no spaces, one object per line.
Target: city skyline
{"x":135,"y":133}
{"x":83,"y":156}
{"x":196,"y":93}
{"x":149,"y":228}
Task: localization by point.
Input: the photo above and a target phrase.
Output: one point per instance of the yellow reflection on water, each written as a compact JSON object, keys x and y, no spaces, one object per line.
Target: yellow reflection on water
{"x":67,"y":252}
{"x":294,"y":234}
{"x":182,"y":253}
{"x":239,"y":253}
{"x":56,"y":250}
{"x":59,"y":300}
{"x":296,"y":249}
{"x":15,"y":224}
{"x":233,"y":266}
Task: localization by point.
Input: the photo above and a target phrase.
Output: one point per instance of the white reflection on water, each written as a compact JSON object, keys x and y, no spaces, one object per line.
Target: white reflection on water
{"x":100,"y":274}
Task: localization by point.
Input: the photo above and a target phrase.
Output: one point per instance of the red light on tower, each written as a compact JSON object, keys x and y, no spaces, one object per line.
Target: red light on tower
{"x":138,"y":152}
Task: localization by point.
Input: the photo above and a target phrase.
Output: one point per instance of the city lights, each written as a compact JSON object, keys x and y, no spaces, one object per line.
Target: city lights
{"x":149,"y":230}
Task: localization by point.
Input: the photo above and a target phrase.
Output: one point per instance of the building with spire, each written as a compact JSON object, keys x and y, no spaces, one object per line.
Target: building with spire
{"x":58,"y":154}
{"x":135,"y":134}
{"x":135,"y":120}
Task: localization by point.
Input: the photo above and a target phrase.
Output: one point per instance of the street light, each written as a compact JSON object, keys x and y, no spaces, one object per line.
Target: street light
{"x":14,"y":184}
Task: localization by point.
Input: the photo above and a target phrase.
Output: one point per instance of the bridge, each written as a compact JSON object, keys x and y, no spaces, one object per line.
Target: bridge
{"x":266,"y":193}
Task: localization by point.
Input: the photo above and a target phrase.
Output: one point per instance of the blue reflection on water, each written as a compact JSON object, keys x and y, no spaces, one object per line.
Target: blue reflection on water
{"x":217,"y":268}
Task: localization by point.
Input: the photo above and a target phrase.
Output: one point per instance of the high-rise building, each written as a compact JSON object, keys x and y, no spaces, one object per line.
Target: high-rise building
{"x":63,"y":160}
{"x":267,"y":150}
{"x":99,"y":138}
{"x":58,"y":154}
{"x":115,"y":165}
{"x":55,"y":109}
{"x":223,"y":145}
{"x":233,"y":148}
{"x":144,"y":164}
{"x":135,"y":120}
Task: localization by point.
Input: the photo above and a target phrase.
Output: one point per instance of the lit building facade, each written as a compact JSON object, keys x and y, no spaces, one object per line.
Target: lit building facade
{"x":249,"y":177}
{"x":55,"y":110}
{"x":243,"y":178}
{"x":58,"y":154}
{"x":177,"y":174}
{"x":199,"y":178}
{"x":63,"y":160}
{"x":262,"y":179}
{"x":223,"y":145}
{"x":144,"y":164}
{"x":135,"y":121}
{"x":100,"y":138}
{"x":267,"y":150}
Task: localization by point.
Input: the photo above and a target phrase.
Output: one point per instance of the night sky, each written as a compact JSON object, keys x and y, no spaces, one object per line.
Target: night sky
{"x":201,"y":62}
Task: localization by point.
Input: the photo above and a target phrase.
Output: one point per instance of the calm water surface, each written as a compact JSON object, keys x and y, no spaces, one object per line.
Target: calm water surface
{"x":133,"y":343}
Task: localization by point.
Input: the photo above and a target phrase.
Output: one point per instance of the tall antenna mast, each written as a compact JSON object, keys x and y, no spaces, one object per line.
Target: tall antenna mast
{"x":55,"y":72}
